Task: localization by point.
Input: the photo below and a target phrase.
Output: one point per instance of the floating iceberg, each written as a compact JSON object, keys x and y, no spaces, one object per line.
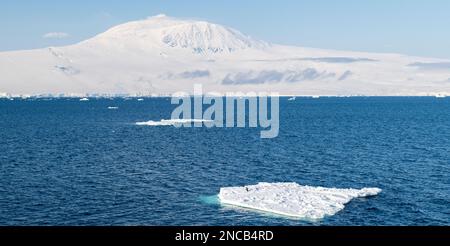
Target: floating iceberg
{"x":292,"y":99}
{"x":113,"y":107}
{"x":292,"y":199}
{"x":172,"y":122}
{"x":84,"y":99}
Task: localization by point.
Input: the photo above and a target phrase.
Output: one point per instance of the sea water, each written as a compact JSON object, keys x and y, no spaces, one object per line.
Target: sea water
{"x":66,"y":162}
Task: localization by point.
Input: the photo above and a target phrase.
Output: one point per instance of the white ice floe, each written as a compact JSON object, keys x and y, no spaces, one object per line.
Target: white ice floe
{"x":113,"y":108}
{"x":292,"y":199}
{"x":292,"y":99}
{"x":172,"y":122}
{"x":84,"y":99}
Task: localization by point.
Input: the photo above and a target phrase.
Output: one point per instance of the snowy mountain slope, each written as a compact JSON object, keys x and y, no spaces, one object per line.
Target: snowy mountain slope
{"x":163,"y":55}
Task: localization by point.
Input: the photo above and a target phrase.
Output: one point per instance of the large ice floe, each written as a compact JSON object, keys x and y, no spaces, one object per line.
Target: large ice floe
{"x":172,"y":122}
{"x":293,"y":200}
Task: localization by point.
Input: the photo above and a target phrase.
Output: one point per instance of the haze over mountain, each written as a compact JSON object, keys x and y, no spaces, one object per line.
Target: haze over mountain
{"x":163,"y":55}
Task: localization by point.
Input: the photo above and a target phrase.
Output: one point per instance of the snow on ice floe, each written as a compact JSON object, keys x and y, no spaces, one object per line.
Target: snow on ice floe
{"x":292,"y":199}
{"x":172,"y":122}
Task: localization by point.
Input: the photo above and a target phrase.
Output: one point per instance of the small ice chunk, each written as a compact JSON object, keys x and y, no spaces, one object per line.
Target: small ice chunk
{"x":84,"y":99}
{"x":172,"y":122}
{"x":292,"y":199}
{"x":113,"y":108}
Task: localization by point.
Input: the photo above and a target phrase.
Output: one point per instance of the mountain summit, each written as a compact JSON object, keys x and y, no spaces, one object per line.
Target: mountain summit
{"x":199,"y":37}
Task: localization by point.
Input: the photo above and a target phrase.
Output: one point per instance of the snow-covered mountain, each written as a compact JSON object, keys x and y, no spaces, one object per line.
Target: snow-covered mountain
{"x":162,"y":55}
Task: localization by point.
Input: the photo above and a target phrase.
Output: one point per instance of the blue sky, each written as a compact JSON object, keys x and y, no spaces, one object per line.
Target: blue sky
{"x":415,"y":27}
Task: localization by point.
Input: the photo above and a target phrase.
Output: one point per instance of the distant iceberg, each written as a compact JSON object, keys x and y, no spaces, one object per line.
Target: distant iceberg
{"x":84,"y":99}
{"x":172,"y":122}
{"x":112,"y":108}
{"x":292,"y":199}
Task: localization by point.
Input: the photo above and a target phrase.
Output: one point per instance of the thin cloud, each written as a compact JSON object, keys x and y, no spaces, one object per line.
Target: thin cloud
{"x":273,"y":76}
{"x":431,"y":65}
{"x":56,"y":35}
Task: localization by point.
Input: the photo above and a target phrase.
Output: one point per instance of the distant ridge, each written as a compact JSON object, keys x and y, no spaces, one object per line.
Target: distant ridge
{"x":162,"y":55}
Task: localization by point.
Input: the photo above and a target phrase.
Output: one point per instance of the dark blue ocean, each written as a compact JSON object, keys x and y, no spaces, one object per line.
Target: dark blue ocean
{"x":66,"y":162}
